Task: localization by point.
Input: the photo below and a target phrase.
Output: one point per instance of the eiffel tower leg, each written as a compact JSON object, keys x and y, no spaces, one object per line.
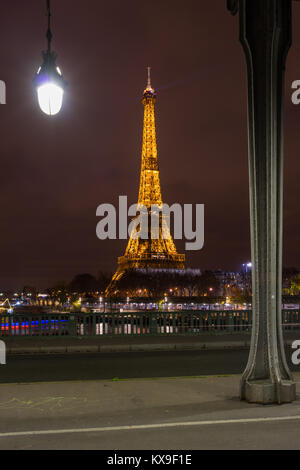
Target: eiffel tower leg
{"x":265,"y":34}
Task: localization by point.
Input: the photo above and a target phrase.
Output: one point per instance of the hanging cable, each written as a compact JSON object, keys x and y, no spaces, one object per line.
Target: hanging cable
{"x":49,"y":33}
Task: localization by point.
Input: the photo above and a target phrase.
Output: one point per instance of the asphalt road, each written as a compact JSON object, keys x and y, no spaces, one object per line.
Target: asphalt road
{"x":72,"y":403}
{"x":165,"y":413}
{"x":49,"y":368}
{"x":282,"y":435}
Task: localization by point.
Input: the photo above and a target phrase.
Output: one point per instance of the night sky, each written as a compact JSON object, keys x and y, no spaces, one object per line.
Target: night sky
{"x":56,"y":171}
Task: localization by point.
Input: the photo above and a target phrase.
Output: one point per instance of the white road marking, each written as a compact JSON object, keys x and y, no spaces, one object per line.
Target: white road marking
{"x":149,"y":426}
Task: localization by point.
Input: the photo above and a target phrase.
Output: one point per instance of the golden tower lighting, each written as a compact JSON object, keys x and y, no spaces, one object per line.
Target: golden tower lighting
{"x":157,"y":253}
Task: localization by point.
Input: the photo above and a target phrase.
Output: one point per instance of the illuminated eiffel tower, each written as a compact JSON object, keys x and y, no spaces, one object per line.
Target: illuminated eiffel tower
{"x":153,"y":253}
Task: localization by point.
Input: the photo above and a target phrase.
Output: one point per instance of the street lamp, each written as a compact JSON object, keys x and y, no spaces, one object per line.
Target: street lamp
{"x":48,"y":81}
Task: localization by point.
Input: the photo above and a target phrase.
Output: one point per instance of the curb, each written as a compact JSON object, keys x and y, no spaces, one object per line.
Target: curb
{"x":118,"y":348}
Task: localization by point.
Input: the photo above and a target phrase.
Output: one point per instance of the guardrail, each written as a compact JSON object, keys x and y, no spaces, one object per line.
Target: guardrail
{"x":135,"y":323}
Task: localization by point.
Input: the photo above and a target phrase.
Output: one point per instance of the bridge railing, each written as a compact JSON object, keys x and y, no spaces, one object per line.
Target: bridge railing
{"x":136,"y":323}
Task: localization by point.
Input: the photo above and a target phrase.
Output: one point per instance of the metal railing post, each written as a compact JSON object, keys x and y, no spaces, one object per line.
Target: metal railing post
{"x":153,"y":323}
{"x":72,"y":325}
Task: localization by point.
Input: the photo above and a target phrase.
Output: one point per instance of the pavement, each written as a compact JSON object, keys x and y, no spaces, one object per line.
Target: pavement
{"x":126,"y":365}
{"x":105,"y":344}
{"x":166,"y":413}
{"x":170,"y":397}
{"x":123,"y":365}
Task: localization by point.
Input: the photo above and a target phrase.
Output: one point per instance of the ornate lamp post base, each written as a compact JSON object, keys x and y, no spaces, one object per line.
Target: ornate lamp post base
{"x":265,"y":34}
{"x":260,"y":391}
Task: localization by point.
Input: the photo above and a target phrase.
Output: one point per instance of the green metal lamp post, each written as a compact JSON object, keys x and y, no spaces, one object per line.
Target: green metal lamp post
{"x":266,"y":36}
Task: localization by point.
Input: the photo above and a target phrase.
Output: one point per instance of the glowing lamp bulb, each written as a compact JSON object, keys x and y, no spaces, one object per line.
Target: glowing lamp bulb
{"x":50,"y":97}
{"x":50,"y":85}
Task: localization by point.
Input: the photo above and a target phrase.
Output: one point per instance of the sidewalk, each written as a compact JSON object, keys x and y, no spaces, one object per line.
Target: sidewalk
{"x":169,"y":413}
{"x":102,"y":344}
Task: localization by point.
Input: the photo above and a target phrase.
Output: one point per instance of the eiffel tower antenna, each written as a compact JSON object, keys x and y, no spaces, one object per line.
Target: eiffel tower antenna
{"x":149,"y":78}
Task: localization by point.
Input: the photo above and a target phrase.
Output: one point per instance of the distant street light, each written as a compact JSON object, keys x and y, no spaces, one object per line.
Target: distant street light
{"x":49,"y":81}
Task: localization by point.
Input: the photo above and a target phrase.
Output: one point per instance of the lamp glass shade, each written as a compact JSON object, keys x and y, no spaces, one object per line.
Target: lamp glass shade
{"x":50,"y":97}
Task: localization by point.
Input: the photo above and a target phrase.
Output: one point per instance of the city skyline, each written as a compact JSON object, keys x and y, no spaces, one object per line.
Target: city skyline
{"x":50,"y":189}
